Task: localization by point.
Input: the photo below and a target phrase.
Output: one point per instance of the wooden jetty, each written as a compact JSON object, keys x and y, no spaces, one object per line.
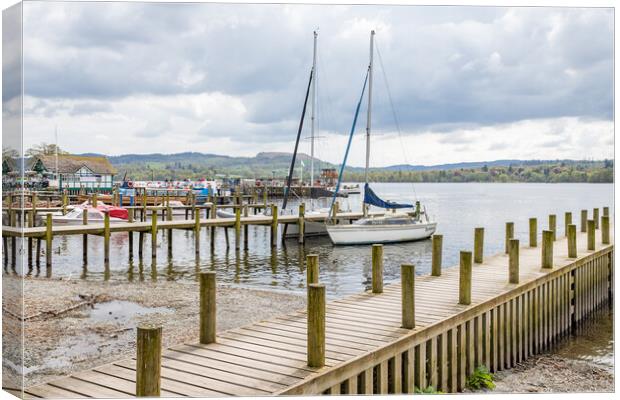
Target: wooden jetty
{"x":429,"y":330}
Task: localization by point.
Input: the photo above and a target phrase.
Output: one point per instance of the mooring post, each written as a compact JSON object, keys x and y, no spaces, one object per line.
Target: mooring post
{"x":169,"y":218}
{"x":465,"y":278}
{"x":148,"y":361}
{"x":572,"y":240}
{"x":274,"y":225}
{"x":196,"y":232}
{"x":335,"y":211}
{"x":34,"y":204}
{"x":154,"y":234}
{"x":407,"y":279}
{"x":130,"y":219}
{"x":64,"y":203}
{"x":605,"y":211}
{"x":213,"y":216}
{"x":140,"y":243}
{"x":568,"y":219}
{"x":106,"y":239}
{"x":312,"y":268}
{"x":584,"y":220}
{"x":246,"y":228}
{"x":301,"y":225}
{"x":478,"y":245}
{"x":595,"y":217}
{"x":510,"y":233}
{"x":316,"y":325}
{"x":436,"y":256}
{"x":207,"y":307}
{"x":94,"y":201}
{"x":605,"y":229}
{"x":48,"y":240}
{"x":513,"y":261}
{"x":547,"y":249}
{"x":30,"y":215}
{"x":377,"y":268}
{"x":238,"y":227}
{"x":591,"y":234}
{"x":533,"y":232}
{"x":553,"y":225}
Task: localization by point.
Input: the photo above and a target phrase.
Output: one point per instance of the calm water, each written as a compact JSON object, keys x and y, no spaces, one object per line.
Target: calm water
{"x":458,"y":208}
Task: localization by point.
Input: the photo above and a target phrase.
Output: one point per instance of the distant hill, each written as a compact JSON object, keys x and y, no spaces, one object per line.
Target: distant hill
{"x":194,"y":165}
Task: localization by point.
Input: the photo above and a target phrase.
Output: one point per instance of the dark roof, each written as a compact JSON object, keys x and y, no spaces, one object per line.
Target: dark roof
{"x":69,"y":163}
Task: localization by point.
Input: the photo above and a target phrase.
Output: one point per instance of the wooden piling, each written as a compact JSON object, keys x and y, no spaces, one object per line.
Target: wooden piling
{"x":513,"y":261}
{"x":591,"y":234}
{"x":595,"y":217}
{"x":312,"y":268}
{"x":465,"y":278}
{"x":196,"y":232}
{"x":407,"y":276}
{"x":274,"y":225}
{"x":48,"y":241}
{"x":584,"y":220}
{"x":547,"y":249}
{"x":237,"y":228}
{"x":208,"y":310}
{"x":572,"y":240}
{"x":153,"y":235}
{"x":245,"y":229}
{"x":301,"y":222}
{"x":553,"y":225}
{"x":478,"y":245}
{"x":377,"y":268}
{"x":510,"y":232}
{"x":316,"y":325}
{"x":436,"y":256}
{"x":106,"y":239}
{"x":605,"y":229}
{"x":148,"y":361}
{"x":605,"y":211}
{"x":533,"y":232}
{"x":568,"y":219}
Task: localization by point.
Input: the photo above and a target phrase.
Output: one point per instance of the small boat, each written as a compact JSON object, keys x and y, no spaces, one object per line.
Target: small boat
{"x":393,"y":226}
{"x":351,"y":189}
{"x":95,"y":215}
{"x":173,"y":204}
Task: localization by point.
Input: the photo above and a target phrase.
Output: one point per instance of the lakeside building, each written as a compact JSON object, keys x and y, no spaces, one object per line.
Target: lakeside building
{"x":75,"y":172}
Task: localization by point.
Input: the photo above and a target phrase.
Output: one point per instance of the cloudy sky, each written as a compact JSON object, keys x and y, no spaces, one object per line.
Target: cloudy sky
{"x":467,"y":83}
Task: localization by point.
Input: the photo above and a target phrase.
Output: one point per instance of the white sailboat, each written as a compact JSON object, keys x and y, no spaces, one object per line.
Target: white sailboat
{"x":392,"y":226}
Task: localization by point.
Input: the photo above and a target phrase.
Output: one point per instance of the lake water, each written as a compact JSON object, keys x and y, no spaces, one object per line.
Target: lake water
{"x":458,"y":209}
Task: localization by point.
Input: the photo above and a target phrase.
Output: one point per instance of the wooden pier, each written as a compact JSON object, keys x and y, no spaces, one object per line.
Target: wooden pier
{"x":431,"y":330}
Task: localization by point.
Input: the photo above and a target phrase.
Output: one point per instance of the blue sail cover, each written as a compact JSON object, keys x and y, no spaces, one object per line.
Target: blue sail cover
{"x":371,"y":198}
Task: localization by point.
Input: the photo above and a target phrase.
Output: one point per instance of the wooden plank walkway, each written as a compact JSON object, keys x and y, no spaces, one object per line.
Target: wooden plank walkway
{"x":269,"y":357}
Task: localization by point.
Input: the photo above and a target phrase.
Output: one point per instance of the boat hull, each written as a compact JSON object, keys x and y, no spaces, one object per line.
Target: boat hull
{"x":369,"y":234}
{"x":311,"y":228}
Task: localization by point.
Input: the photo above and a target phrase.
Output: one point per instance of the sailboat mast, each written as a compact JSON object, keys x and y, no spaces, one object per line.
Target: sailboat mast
{"x":368,"y":115}
{"x":312,"y":114}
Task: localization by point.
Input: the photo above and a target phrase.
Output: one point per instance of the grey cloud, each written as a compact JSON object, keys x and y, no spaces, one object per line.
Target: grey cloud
{"x":447,"y":67}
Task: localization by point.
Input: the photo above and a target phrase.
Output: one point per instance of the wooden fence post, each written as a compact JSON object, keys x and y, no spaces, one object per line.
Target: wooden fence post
{"x":513,"y":261}
{"x":407,"y":276}
{"x":465,"y":278}
{"x":377,"y":268}
{"x":547,"y":249}
{"x":553,"y":225}
{"x":301,"y":222}
{"x":274,"y":225}
{"x":312,"y":268}
{"x":48,"y":240}
{"x":568,"y":219}
{"x":478,"y":245}
{"x":316,"y":325}
{"x":605,"y":229}
{"x":572,"y":240}
{"x":595,"y":218}
{"x":533,"y":232}
{"x":510,"y":233}
{"x":591,"y":234}
{"x":207,"y":307}
{"x":148,"y":361}
{"x":436,"y":257}
{"x":584,"y":220}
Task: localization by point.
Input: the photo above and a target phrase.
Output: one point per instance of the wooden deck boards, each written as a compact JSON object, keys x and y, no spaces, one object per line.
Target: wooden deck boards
{"x":269,"y":356}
